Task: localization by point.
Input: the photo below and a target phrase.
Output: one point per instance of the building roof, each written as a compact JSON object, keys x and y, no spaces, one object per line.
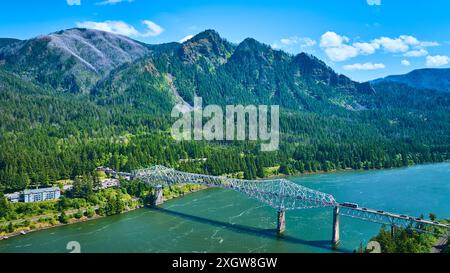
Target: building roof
{"x":53,"y":189}
{"x":12,"y":195}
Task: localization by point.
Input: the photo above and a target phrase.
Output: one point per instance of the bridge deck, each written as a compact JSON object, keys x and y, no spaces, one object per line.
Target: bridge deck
{"x":281,"y":194}
{"x":278,"y":193}
{"x":389,"y":218}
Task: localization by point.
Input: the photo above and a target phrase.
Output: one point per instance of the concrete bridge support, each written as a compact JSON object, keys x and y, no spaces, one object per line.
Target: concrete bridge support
{"x":157,"y":197}
{"x":393,"y":231}
{"x":336,"y":237}
{"x":281,"y":226}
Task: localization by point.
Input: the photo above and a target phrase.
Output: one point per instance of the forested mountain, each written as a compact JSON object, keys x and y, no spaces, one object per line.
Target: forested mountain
{"x":430,"y":78}
{"x":251,"y":72}
{"x":7,"y":41}
{"x":72,"y":60}
{"x":77,"y":99}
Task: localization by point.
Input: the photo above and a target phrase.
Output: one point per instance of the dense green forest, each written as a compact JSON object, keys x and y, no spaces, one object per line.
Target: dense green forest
{"x":407,"y":240}
{"x":328,"y":122}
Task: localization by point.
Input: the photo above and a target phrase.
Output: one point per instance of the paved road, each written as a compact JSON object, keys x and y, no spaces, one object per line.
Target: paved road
{"x":440,"y":244}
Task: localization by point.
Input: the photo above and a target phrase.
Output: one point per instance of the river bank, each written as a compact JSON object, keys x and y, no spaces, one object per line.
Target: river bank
{"x":36,"y":225}
{"x":218,"y":220}
{"x":47,"y":226}
{"x":347,"y":170}
{"x":280,"y":175}
{"x":169,"y":194}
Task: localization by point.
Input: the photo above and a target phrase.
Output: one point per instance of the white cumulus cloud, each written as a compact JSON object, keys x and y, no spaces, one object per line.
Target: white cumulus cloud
{"x":428,"y":44}
{"x":154,"y":29}
{"x":112,"y":2}
{"x":116,"y":27}
{"x":336,"y":47}
{"x":364,"y":66}
{"x":437,"y":60}
{"x":403,"y":44}
{"x":367,"y":48}
{"x":340,"y":48}
{"x":187,"y":38}
{"x":341,"y":53}
{"x":410,"y":40}
{"x":332,"y":39}
{"x":416,"y":53}
{"x":374,"y":2}
{"x":392,"y":45}
{"x":405,"y":63}
{"x":73,"y":2}
{"x":122,"y":28}
{"x":301,"y":41}
{"x":295,"y":44}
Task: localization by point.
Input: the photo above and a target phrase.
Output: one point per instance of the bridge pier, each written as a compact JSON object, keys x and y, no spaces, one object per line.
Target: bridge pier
{"x":393,"y":231}
{"x":336,"y":236}
{"x":157,"y":196}
{"x":281,"y":226}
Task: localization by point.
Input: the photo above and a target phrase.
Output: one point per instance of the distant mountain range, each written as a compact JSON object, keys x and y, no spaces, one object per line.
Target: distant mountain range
{"x":116,"y":69}
{"x":7,"y":41}
{"x":106,"y":65}
{"x":76,"y":60}
{"x":430,"y":78}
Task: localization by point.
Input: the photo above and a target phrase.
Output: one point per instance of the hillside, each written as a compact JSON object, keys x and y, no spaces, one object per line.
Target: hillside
{"x":7,"y":41}
{"x":72,"y":60}
{"x":430,"y":78}
{"x":77,"y":99}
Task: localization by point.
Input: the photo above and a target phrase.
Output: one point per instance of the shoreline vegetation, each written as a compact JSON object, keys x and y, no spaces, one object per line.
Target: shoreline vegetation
{"x":405,"y":240}
{"x":120,"y":203}
{"x":273,"y":172}
{"x":139,"y":199}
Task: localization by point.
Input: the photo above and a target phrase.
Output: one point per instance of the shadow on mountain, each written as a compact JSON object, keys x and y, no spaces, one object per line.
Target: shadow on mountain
{"x":324,"y":244}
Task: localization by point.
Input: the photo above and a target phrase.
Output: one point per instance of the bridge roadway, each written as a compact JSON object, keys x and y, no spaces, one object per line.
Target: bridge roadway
{"x":388,"y":218}
{"x":282,"y":195}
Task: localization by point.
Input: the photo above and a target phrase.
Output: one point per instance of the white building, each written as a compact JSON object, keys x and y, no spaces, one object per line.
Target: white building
{"x":37,"y":195}
{"x":13,"y":197}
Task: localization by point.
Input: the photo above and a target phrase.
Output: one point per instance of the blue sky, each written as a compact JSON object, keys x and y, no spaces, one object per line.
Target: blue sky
{"x":364,"y":39}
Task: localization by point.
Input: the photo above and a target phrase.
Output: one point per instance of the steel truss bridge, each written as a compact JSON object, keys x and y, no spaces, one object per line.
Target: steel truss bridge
{"x":282,"y":195}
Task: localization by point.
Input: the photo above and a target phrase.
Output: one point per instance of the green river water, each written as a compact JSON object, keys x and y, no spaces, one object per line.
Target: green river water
{"x":217,"y":220}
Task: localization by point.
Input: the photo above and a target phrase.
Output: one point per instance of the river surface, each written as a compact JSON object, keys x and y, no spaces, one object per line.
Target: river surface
{"x":217,"y":220}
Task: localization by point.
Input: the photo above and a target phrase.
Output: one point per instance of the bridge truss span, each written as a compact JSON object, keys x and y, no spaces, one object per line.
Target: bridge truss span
{"x":390,"y":219}
{"x":281,"y":194}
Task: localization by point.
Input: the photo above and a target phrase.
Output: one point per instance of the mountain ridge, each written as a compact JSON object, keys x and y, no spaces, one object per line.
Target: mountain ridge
{"x":96,"y":62}
{"x":78,"y":57}
{"x":7,"y":41}
{"x":425,"y":78}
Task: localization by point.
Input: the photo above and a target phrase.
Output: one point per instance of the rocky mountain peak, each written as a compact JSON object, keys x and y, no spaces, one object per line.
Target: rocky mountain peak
{"x":207,"y":44}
